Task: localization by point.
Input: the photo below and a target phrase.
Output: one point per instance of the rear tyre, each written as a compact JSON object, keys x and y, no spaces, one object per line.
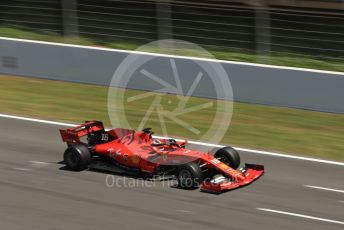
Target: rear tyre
{"x":228,"y":156}
{"x":189,"y":176}
{"x":77,"y":157}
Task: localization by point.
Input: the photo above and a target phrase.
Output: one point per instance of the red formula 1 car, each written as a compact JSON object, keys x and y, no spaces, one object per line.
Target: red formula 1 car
{"x":127,"y":151}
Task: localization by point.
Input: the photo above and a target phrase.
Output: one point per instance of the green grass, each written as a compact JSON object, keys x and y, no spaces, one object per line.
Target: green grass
{"x":283,"y":59}
{"x":253,"y":126}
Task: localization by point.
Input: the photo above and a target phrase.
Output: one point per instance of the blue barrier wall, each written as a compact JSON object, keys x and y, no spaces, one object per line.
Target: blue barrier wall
{"x":289,"y":87}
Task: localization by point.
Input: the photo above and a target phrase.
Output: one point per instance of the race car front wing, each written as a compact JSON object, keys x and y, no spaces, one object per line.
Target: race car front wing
{"x":249,"y":174}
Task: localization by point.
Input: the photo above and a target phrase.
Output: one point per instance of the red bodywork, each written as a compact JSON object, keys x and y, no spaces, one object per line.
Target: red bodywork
{"x":139,"y":150}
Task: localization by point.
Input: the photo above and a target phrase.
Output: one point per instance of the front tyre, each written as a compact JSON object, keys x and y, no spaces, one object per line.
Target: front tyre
{"x":228,"y":156}
{"x":77,"y":157}
{"x":189,"y":176}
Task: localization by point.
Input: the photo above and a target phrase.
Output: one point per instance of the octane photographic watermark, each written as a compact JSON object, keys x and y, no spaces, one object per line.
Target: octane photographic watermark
{"x":174,"y":95}
{"x":112,"y":181}
{"x":116,"y":181}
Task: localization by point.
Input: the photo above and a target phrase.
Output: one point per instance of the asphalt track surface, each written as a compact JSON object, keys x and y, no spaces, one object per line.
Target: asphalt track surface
{"x":36,"y":193}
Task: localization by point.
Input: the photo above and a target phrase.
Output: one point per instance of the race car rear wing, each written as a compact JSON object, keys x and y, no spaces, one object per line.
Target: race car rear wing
{"x":72,"y":135}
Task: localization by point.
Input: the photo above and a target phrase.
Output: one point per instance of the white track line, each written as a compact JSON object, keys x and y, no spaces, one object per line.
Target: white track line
{"x":39,"y":162}
{"x":323,"y":188}
{"x":302,"y":216}
{"x":36,"y":120}
{"x":171,"y":56}
{"x":191,"y":142}
{"x":291,"y":156}
{"x":185,"y":211}
{"x":23,"y":169}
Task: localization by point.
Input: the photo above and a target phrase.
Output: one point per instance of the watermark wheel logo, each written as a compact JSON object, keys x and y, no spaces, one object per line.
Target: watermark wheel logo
{"x":180,"y":109}
{"x":175,"y":95}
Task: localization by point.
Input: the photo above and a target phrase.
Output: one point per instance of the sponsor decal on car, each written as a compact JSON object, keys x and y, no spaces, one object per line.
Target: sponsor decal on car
{"x":215,"y":161}
{"x":118,"y":152}
{"x":223,"y":166}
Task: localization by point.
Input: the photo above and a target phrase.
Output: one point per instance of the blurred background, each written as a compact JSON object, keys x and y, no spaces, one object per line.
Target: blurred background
{"x":303,"y":33}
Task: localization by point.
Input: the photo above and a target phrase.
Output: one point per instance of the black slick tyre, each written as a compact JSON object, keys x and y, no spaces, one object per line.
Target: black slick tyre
{"x":189,"y":175}
{"x":77,"y":157}
{"x":229,"y":156}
